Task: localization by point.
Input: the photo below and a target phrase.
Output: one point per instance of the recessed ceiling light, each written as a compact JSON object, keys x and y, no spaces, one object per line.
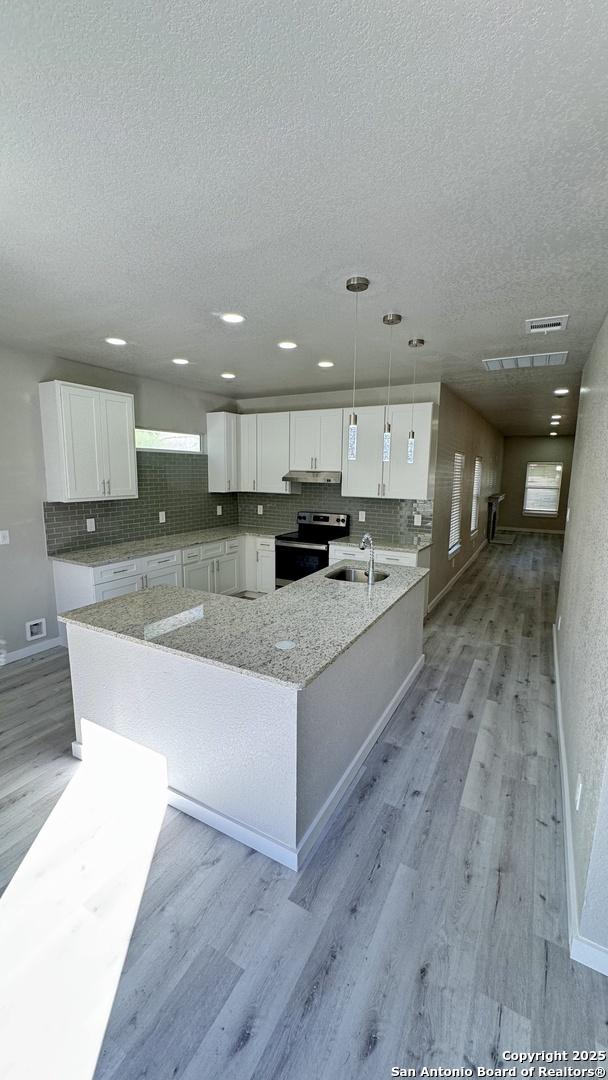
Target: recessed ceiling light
{"x":180,"y":360}
{"x":553,"y":434}
{"x":325,"y":363}
{"x":232,"y":317}
{"x":555,"y":423}
{"x":228,"y":375}
{"x":116,"y":341}
{"x":287,"y":345}
{"x":561,"y":391}
{"x":556,"y":416}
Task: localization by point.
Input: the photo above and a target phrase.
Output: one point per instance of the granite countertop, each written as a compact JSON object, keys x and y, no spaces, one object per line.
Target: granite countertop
{"x":133,"y":549}
{"x":388,"y":542}
{"x":322,"y":616}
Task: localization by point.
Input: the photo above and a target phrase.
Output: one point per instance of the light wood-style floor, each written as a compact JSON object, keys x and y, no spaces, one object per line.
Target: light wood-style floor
{"x":430,"y":925}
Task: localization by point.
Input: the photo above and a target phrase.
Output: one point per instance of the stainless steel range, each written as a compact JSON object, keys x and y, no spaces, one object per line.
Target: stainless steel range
{"x":307,"y":549}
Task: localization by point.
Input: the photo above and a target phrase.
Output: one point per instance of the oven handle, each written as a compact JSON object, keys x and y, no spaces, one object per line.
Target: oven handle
{"x":297,"y":544}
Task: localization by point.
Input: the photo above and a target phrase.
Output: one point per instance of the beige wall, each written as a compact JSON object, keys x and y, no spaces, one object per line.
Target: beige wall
{"x":461,"y":429}
{"x":518,"y":452}
{"x":26,"y":588}
{"x":582,"y":646}
{"x":340,"y":399}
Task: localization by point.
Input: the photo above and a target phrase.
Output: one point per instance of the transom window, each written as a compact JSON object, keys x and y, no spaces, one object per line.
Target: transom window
{"x":543,"y":484}
{"x":170,"y":441}
{"x":456,"y":507}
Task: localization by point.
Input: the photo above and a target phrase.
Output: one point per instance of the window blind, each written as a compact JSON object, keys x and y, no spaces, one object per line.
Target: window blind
{"x":456,"y":507}
{"x":476,"y":494}
{"x":543,"y":483}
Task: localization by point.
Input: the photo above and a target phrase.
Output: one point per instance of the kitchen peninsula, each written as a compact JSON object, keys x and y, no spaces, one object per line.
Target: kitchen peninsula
{"x":264,"y":710}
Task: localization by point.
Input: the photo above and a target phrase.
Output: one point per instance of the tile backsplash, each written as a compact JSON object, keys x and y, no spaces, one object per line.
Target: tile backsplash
{"x":175,"y":483}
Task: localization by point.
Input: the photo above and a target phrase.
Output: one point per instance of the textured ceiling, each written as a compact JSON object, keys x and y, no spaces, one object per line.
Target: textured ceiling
{"x":165,"y":161}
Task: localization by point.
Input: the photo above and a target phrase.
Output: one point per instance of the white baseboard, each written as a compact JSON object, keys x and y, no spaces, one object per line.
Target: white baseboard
{"x":433,"y":603}
{"x":321,"y":821}
{"x":294,"y":858}
{"x":589,"y":953}
{"x":516,"y":528}
{"x":33,"y":649}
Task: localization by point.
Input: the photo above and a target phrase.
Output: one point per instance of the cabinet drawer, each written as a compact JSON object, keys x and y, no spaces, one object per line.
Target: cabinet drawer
{"x":233,"y":546}
{"x":116,"y":571}
{"x":398,"y":558}
{"x":264,"y":545}
{"x":212,"y":550}
{"x":338,"y":553}
{"x":160,"y":562}
{"x":192,"y":554}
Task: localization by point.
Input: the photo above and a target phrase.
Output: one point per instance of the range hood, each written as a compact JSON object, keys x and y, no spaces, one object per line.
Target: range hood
{"x":313,"y":476}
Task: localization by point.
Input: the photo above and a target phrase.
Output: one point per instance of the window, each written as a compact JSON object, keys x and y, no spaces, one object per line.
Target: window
{"x":476,"y":494}
{"x":455,"y":512}
{"x":543,"y":483}
{"x":167,"y":440}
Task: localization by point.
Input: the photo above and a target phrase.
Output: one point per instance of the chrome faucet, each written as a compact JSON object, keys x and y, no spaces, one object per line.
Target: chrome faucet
{"x":367,"y":541}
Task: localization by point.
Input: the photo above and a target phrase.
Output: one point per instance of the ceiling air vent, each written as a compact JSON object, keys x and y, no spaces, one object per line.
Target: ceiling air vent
{"x":532,"y":360}
{"x":547,"y":325}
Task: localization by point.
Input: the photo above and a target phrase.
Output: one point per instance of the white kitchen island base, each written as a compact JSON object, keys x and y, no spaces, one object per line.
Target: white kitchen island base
{"x":259,"y":759}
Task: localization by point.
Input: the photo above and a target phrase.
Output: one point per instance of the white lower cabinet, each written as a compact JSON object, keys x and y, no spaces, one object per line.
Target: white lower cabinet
{"x":265,"y":572}
{"x":171,"y":576}
{"x":107,"y":590}
{"x":200,"y":575}
{"x":227,"y":574}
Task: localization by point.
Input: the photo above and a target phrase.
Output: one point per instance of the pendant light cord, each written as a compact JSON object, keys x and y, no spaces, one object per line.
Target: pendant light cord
{"x":390,"y":365}
{"x":355,"y":347}
{"x":413,"y":390}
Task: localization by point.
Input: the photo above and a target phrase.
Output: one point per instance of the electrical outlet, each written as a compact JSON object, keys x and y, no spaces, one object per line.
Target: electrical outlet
{"x":218,"y":509}
{"x":361,"y":515}
{"x":90,"y":524}
{"x":417,"y":520}
{"x":161,"y":517}
{"x":260,"y":508}
{"x":5,"y":537}
{"x":579,"y":792}
{"x":559,"y":622}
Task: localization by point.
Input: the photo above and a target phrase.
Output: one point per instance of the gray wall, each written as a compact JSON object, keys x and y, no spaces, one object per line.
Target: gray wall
{"x":518,"y":452}
{"x":26,"y":588}
{"x":582,"y":645}
{"x":461,"y":429}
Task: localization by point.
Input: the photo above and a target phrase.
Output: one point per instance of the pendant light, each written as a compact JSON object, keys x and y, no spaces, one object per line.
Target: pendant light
{"x":354,"y":285}
{"x":414,"y":343}
{"x":391,"y":319}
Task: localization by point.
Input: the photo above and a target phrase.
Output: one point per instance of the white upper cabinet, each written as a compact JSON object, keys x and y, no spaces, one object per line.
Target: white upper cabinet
{"x":363,"y":476}
{"x":316,"y":440}
{"x":247,"y":446}
{"x":273,"y":452}
{"x":403,"y":479}
{"x":222,"y":451}
{"x":368,"y":476}
{"x":89,"y":443}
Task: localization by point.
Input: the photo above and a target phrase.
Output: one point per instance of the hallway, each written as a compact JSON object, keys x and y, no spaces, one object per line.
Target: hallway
{"x":430,"y":925}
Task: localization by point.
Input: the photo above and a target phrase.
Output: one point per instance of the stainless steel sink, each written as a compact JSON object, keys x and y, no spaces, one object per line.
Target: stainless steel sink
{"x":350,"y":573}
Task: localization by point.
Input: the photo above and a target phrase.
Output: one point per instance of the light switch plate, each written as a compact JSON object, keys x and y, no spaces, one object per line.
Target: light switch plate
{"x":161,"y":517}
{"x":417,"y":519}
{"x":218,"y":509}
{"x":260,"y":508}
{"x":90,"y":524}
{"x":361,"y":515}
{"x":5,"y":536}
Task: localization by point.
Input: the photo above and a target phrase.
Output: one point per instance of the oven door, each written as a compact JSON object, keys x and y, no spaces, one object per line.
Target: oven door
{"x":297,"y":560}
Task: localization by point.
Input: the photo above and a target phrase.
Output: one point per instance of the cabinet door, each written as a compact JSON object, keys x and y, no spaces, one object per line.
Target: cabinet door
{"x":227,"y":577}
{"x":329,"y":457}
{"x":364,"y":476}
{"x":107,"y":590}
{"x":222,"y":451}
{"x":273,"y":452}
{"x":171,"y":576}
{"x":304,"y":439}
{"x":402,"y":479}
{"x":265,"y":571}
{"x":200,"y":576}
{"x":83,"y":442}
{"x":247,"y":452}
{"x":118,"y":426}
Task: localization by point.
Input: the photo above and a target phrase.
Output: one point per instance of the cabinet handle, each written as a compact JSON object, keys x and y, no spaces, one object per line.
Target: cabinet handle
{"x":108,"y":491}
{"x":160,"y":561}
{"x":316,"y":461}
{"x":228,"y":488}
{"x":123,"y":571}
{"x":384,"y":489}
{"x":103,"y":487}
{"x":378,"y":489}
{"x":254,"y":485}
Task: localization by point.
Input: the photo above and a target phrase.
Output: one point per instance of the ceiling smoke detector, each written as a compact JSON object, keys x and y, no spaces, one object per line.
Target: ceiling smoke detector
{"x":548,"y":325}
{"x":508,"y":363}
